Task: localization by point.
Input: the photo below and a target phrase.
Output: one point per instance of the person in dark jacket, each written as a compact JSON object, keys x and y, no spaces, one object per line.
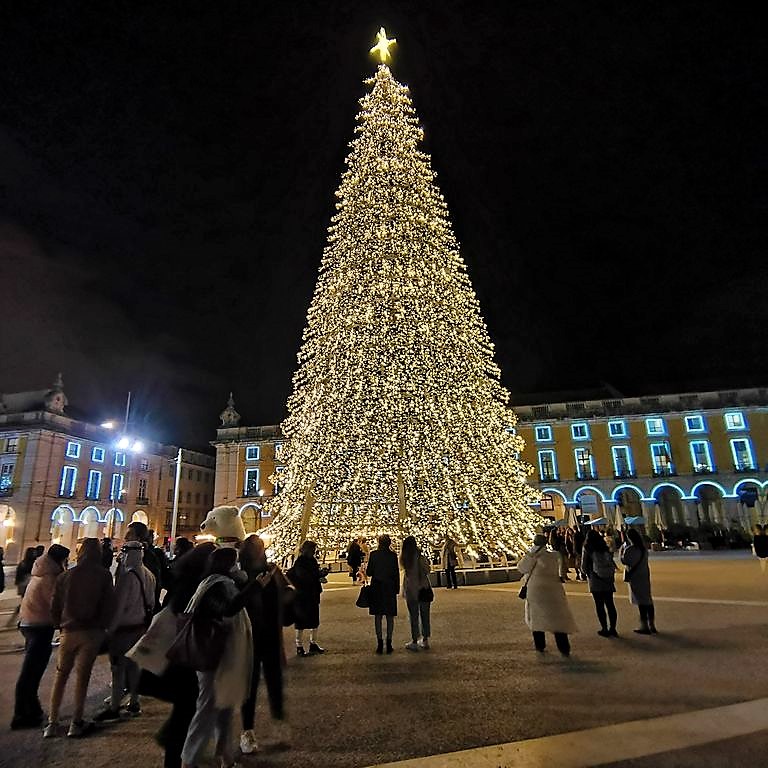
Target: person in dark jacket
{"x":24,"y":570}
{"x":760,"y":546}
{"x":2,"y":571}
{"x":384,"y":573}
{"x":599,"y":568}
{"x":81,"y":608}
{"x":305,"y":575}
{"x":354,"y":558}
{"x":107,"y":552}
{"x":264,"y":605}
{"x":634,"y":555}
{"x":37,"y":627}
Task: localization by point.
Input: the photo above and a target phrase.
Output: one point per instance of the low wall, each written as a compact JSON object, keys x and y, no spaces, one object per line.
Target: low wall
{"x":468,"y":577}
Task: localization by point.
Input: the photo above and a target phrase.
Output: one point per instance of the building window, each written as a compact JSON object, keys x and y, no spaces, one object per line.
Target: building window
{"x":197,"y":498}
{"x":144,"y":465}
{"x":585,"y":468}
{"x":265,"y":512}
{"x":94,"y":484}
{"x":655,"y":426}
{"x":190,"y":474}
{"x":547,"y":466}
{"x":278,"y":486}
{"x":142,"y":488}
{"x":6,"y":478}
{"x":199,"y":475}
{"x":278,"y":451}
{"x":580,"y":431}
{"x":701,"y":456}
{"x":543,"y":433}
{"x":97,"y":454}
{"x":617,"y":428}
{"x":119,"y":458}
{"x":252,"y":453}
{"x":742,"y":455}
{"x":695,"y":424}
{"x":206,"y":499}
{"x":116,"y":487}
{"x":251,"y":482}
{"x":622,"y":461}
{"x":170,"y":495}
{"x":73,"y":450}
{"x":68,"y":478}
{"x":189,"y":497}
{"x":735,"y":420}
{"x":662,"y":459}
{"x":12,"y":445}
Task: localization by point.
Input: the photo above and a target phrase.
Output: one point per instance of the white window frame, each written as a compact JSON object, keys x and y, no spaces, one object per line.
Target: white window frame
{"x":622,"y":424}
{"x":12,"y":445}
{"x":667,"y":452}
{"x":93,"y":475}
{"x":742,"y":422}
{"x":548,"y":433}
{"x":256,"y":449}
{"x":583,"y":424}
{"x":68,"y":480}
{"x":144,"y":465}
{"x":97,"y":454}
{"x":652,"y":431}
{"x":693,"y":430}
{"x":750,"y":453}
{"x":709,"y":466}
{"x":577,"y":452}
{"x":248,"y":473}
{"x":6,"y":474}
{"x":615,"y":450}
{"x":553,"y":476}
{"x":141,"y":488}
{"x":119,"y":458}
{"x":73,"y":449}
{"x":116,"y":486}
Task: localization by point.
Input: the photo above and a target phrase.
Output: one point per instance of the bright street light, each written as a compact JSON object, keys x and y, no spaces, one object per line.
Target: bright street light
{"x":107,"y":425}
{"x":123,"y":442}
{"x":137,"y":447}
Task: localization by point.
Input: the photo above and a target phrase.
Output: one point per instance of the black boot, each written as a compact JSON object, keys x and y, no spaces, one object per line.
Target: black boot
{"x":389,"y":645}
{"x":379,"y":646}
{"x":315,"y":648}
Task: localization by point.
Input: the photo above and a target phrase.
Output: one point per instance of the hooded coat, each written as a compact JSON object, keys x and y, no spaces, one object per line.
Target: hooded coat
{"x":546,"y":606}
{"x":134,"y":592}
{"x":36,"y":603}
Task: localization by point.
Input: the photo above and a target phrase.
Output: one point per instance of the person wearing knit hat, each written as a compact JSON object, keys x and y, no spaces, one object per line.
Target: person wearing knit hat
{"x":225,"y":524}
{"x":37,"y":627}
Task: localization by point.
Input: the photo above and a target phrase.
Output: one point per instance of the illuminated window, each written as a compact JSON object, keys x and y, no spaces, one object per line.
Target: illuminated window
{"x":622,"y":461}
{"x":251,"y":482}
{"x":743,"y":458}
{"x":580,"y":431}
{"x":662,"y":459}
{"x":547,"y":466}
{"x":94,"y":484}
{"x":116,"y":487}
{"x":119,"y":458}
{"x":655,"y":426}
{"x":12,"y":445}
{"x":695,"y":424}
{"x":252,"y":453}
{"x":585,"y":467}
{"x":735,"y":420}
{"x":617,"y":428}
{"x":144,"y":465}
{"x":701,"y":456}
{"x":97,"y":454}
{"x":278,"y":480}
{"x":6,"y":477}
{"x":68,"y":478}
{"x":73,"y":450}
{"x":543,"y":433}
{"x":547,"y":503}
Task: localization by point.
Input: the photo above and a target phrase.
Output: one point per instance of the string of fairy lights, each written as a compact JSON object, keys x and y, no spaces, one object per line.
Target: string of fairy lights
{"x":398,"y":421}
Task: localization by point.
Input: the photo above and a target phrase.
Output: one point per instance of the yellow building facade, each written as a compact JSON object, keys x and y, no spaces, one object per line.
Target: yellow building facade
{"x":688,"y":459}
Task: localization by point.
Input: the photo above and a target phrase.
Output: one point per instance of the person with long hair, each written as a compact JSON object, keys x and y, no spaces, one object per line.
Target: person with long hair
{"x":634,"y":555}
{"x":600,"y":569}
{"x":416,"y":569}
{"x":384,"y":574}
{"x":305,"y":575}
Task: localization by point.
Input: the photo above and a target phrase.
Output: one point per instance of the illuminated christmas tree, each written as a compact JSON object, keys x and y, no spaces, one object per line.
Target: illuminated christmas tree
{"x":398,"y":422}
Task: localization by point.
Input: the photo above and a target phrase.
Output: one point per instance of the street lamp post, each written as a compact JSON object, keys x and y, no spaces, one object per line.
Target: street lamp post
{"x":175,"y":515}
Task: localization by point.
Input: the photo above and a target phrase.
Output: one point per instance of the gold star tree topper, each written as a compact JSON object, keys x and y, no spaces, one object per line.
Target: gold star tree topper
{"x":382,"y":46}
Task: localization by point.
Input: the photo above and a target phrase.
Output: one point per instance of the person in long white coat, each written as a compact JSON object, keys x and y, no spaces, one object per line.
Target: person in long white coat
{"x":546,"y":606}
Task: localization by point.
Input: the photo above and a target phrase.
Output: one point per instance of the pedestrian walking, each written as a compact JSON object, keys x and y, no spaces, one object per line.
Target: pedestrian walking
{"x":81,"y":608}
{"x":579,"y":537}
{"x":634,"y":555}
{"x":24,"y":570}
{"x":36,"y":626}
{"x":417,"y":592}
{"x":138,"y":531}
{"x":223,"y":689}
{"x":760,"y":546}
{"x":2,"y":570}
{"x":600,"y":569}
{"x":264,"y":604}
{"x":354,"y":559}
{"x":384,"y":573}
{"x":546,"y":607}
{"x":450,"y":558}
{"x":133,"y":607}
{"x":306,"y":576}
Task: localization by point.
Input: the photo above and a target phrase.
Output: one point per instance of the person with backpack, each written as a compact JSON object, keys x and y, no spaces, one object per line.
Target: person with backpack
{"x":600,"y":569}
{"x":134,"y":604}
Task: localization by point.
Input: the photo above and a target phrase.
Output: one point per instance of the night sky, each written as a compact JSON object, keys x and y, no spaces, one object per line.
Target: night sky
{"x":167,"y":175}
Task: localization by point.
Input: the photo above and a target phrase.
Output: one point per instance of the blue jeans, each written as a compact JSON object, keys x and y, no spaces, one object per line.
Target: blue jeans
{"x":416,"y":611}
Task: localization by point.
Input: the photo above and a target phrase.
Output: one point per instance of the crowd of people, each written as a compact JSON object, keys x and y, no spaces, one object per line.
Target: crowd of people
{"x":201,"y":631}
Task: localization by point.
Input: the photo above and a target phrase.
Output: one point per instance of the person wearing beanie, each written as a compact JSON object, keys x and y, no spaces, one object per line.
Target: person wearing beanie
{"x":37,"y":627}
{"x":134,"y":603}
{"x":81,"y":608}
{"x":546,"y":607}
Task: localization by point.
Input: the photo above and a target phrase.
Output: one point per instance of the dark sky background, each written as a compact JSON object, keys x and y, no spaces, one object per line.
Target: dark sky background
{"x":167,"y":175}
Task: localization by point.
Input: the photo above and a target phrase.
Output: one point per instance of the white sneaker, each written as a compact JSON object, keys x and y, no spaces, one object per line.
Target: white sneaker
{"x":51,"y":730}
{"x":424,"y":643}
{"x":412,"y":646}
{"x":248,"y":743}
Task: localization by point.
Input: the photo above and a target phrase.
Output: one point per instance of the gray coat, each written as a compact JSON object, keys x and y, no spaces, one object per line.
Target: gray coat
{"x":636,"y":560}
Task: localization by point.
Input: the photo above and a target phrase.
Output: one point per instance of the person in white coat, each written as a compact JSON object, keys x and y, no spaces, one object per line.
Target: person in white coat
{"x":546,"y":607}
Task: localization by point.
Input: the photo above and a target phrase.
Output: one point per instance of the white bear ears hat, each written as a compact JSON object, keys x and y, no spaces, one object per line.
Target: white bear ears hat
{"x":224,"y":523}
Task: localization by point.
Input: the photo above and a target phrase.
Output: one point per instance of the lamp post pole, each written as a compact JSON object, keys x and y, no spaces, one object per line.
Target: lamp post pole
{"x":175,"y":515}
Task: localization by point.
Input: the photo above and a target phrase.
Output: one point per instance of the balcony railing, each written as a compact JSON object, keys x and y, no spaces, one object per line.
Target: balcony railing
{"x":67,"y":494}
{"x":743,"y":470}
{"x":143,"y":500}
{"x":549,"y":479}
{"x":624,"y":474}
{"x":702,"y":470}
{"x":586,"y":475}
